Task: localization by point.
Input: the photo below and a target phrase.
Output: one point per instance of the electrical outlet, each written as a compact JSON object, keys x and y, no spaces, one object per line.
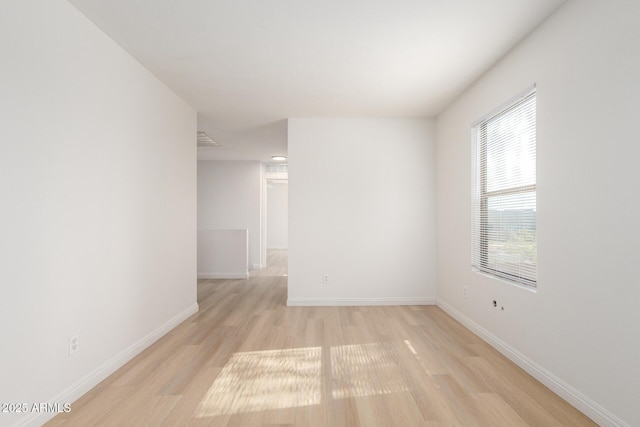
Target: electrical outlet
{"x":465,"y":292}
{"x":74,"y":345}
{"x":325,"y":278}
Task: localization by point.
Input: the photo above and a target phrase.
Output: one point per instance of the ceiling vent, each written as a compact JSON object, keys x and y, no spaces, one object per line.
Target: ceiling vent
{"x":277,"y":168}
{"x":205,"y":140}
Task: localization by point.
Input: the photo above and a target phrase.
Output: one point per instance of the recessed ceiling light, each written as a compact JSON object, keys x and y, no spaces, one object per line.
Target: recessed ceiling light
{"x":278,"y":158}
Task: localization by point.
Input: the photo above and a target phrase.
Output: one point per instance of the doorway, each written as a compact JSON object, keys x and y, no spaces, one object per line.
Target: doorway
{"x":277,"y":214}
{"x":276,"y":224}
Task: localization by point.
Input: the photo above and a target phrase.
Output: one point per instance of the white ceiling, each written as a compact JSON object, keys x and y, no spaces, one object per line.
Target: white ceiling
{"x":248,"y":65}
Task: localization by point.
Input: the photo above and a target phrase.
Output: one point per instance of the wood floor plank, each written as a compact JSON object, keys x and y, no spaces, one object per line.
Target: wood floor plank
{"x":497,"y":412}
{"x":247,"y":359}
{"x":185,"y":412}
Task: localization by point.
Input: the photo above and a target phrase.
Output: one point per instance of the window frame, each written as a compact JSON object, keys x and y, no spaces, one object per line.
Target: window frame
{"x":480,"y":169}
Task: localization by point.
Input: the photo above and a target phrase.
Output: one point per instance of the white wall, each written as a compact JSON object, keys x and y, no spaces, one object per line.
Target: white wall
{"x":98,"y":208}
{"x":229,"y":198}
{"x":362,"y":210}
{"x":277,"y":214}
{"x":223,"y":254}
{"x":582,"y":326}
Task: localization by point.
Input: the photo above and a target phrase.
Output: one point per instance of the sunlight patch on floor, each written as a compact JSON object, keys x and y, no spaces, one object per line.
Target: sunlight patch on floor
{"x":365,"y":370}
{"x":277,"y":379}
{"x":261,"y":380}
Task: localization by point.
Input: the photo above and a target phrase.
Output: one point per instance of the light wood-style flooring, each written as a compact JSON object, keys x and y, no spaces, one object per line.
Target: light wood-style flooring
{"x":246,"y":359}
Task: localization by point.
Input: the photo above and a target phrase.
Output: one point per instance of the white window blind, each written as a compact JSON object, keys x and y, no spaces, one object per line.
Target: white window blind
{"x":503,"y":213}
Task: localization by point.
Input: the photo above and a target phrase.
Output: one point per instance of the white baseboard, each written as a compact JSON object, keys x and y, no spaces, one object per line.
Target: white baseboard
{"x":85,"y":384}
{"x":308,"y":302}
{"x":581,"y":402}
{"x":240,"y":275}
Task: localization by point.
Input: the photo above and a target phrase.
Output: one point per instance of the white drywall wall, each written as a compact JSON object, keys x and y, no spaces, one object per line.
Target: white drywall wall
{"x":229,"y":199}
{"x":582,"y":326}
{"x":98,"y":216}
{"x":361,"y":210}
{"x":223,"y":254}
{"x":277,"y":214}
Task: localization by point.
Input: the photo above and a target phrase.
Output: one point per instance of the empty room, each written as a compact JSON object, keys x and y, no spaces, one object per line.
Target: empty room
{"x":319,"y":213}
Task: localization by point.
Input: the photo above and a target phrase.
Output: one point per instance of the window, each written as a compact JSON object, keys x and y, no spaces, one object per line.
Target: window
{"x":504,"y":242}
